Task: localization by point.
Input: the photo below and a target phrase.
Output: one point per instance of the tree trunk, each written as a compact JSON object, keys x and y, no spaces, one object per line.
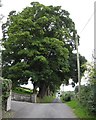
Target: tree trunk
{"x":34,"y":88}
{"x":48,"y":91}
{"x":42,"y":90}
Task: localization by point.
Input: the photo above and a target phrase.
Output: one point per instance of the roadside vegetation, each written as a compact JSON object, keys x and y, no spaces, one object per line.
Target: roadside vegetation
{"x":79,"y":108}
{"x":84,"y":106}
{"x":67,"y":96}
{"x":5,"y":85}
{"x":46,"y":99}
{"x":21,"y":90}
{"x":7,"y":114}
{"x":80,"y":111}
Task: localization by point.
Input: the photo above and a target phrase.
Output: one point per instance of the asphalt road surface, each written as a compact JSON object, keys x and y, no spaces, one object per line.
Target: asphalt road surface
{"x":37,"y":110}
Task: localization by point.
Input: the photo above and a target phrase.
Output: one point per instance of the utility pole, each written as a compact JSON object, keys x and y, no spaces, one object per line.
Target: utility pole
{"x":94,"y":34}
{"x":94,"y":90}
{"x":0,"y":74}
{"x":1,"y":17}
{"x":78,"y":67}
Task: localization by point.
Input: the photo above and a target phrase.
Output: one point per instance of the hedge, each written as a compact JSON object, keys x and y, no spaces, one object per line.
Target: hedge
{"x":6,"y":85}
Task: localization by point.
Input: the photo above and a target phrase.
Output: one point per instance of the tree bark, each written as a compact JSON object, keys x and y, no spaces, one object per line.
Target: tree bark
{"x":42,"y":90}
{"x":48,"y":91}
{"x":34,"y":88}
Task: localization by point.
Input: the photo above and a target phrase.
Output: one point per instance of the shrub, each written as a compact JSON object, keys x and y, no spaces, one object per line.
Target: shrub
{"x":87,"y":98}
{"x":6,"y":87}
{"x":67,"y":97}
{"x":46,"y":99}
{"x":21,"y":90}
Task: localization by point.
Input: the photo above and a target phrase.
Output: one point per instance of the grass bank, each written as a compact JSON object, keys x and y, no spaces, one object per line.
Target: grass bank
{"x":80,"y":111}
{"x":46,"y":99}
{"x":7,"y":114}
{"x":21,"y":90}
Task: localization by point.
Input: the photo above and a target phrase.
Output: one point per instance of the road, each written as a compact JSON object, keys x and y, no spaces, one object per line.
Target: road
{"x":37,"y":110}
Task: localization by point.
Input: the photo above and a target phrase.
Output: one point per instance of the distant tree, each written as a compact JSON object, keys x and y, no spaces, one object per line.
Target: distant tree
{"x":73,"y":67}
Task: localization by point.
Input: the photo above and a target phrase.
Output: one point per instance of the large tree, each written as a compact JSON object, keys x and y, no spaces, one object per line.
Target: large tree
{"x":38,"y":43}
{"x":73,"y":66}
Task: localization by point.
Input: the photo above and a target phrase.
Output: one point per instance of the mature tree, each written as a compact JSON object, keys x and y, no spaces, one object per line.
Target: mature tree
{"x":73,"y":67}
{"x":38,"y":43}
{"x":92,"y":78}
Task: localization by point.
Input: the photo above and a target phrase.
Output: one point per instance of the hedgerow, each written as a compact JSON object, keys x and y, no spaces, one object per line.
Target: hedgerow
{"x":6,"y":85}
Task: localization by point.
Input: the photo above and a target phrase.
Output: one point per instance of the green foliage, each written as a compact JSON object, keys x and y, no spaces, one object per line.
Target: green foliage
{"x":21,"y":90}
{"x":85,"y":94}
{"x":46,"y":99}
{"x":88,"y":92}
{"x":39,"y":43}
{"x":87,"y":98}
{"x":92,"y":101}
{"x":92,"y":75}
{"x":73,"y":67}
{"x":6,"y":85}
{"x":35,"y":47}
{"x":68,"y":96}
{"x":7,"y":114}
{"x":80,"y":111}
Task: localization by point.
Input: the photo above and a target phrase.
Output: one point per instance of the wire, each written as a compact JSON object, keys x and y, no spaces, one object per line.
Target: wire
{"x":93,"y":14}
{"x":87,"y":22}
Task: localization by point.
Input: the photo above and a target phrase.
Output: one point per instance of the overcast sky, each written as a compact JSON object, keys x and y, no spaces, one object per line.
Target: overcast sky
{"x":81,"y":12}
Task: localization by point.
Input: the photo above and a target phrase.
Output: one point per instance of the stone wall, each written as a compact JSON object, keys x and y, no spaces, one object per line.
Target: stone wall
{"x":21,"y":97}
{"x":24,"y":97}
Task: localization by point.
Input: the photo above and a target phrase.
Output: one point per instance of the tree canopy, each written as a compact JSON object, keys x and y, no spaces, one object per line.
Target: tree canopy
{"x":39,"y":43}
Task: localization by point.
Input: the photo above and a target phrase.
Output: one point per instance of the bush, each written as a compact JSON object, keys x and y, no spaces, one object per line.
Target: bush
{"x":80,"y":111}
{"x":87,"y":98}
{"x":6,"y":87}
{"x":66,"y":97}
{"x":46,"y":99}
{"x":21,"y":90}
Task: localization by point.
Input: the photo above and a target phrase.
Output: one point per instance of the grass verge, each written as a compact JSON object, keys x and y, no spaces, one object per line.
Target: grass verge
{"x":46,"y":99}
{"x":7,"y":114}
{"x":80,"y":111}
{"x":21,"y":90}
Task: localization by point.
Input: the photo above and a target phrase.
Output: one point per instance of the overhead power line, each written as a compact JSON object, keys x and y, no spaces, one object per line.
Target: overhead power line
{"x":87,"y":22}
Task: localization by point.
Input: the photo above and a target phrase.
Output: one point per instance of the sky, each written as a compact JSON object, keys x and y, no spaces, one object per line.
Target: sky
{"x":81,"y":12}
